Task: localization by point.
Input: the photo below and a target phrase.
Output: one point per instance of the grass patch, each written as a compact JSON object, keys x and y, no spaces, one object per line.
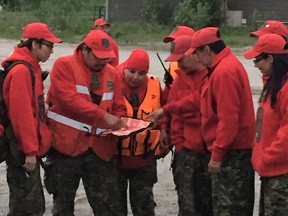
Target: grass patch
{"x":133,"y":33}
{"x":140,"y":34}
{"x":237,"y":37}
{"x":12,"y":23}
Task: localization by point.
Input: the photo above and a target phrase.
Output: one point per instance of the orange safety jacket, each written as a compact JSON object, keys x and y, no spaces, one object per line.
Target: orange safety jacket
{"x":72,"y":137}
{"x":172,"y":69}
{"x":147,"y":140}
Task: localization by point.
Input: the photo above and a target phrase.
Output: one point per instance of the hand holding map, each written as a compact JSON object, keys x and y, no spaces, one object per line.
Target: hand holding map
{"x":134,"y":125}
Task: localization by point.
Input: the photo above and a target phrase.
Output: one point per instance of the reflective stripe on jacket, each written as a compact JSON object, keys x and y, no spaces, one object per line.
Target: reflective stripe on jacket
{"x":73,"y":137}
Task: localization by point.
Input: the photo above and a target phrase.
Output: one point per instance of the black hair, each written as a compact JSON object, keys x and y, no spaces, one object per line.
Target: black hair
{"x":83,"y":46}
{"x":216,"y":46}
{"x":88,"y":49}
{"x":278,"y":77}
{"x":28,"y":43}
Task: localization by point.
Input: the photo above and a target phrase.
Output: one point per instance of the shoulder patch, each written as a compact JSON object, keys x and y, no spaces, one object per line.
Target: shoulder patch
{"x":110,"y":85}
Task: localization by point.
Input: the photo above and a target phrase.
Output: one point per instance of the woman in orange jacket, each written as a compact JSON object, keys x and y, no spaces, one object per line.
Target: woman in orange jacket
{"x":271,"y":27}
{"x":137,"y":153}
{"x":270,"y":148}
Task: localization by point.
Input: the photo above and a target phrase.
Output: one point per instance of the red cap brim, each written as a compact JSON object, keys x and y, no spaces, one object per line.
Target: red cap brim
{"x":254,"y":34}
{"x":251,"y":53}
{"x":54,"y":40}
{"x":105,"y":54}
{"x":190,"y":51}
{"x":168,"y":39}
{"x":173,"y":57}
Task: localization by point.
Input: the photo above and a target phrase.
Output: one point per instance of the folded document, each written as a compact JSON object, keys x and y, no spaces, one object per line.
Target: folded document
{"x":134,"y":126}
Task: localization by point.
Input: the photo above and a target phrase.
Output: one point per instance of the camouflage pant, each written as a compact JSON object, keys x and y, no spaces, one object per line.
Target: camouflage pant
{"x":233,"y":187}
{"x":274,"y":196}
{"x":193,"y":183}
{"x":100,"y":180}
{"x":26,"y":192}
{"x":141,"y":182}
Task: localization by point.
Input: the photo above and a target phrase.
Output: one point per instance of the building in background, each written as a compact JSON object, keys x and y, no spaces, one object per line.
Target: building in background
{"x":237,"y":12}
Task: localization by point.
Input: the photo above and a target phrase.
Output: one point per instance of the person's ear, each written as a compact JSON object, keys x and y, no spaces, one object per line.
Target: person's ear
{"x":34,"y":44}
{"x":270,"y":59}
{"x":206,"y":49}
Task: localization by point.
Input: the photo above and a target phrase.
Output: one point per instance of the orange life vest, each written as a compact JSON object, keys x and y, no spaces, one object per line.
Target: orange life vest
{"x":173,"y":66}
{"x":148,"y":139}
{"x":72,"y":137}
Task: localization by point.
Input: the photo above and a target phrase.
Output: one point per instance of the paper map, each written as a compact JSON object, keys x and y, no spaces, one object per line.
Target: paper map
{"x":134,"y":125}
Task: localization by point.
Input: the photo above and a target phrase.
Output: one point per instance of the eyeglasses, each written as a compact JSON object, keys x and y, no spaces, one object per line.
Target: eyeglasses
{"x":48,"y":44}
{"x":256,"y":60}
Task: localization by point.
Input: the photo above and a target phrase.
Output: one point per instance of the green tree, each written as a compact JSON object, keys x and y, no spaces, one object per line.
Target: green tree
{"x":61,"y":14}
{"x":198,"y":13}
{"x":20,"y":5}
{"x":197,"y":17}
{"x":159,"y":11}
{"x":206,"y":12}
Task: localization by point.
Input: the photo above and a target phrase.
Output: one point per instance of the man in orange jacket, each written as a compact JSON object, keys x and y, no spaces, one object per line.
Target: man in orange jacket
{"x":84,"y":99}
{"x":165,"y":125}
{"x":228,"y":125}
{"x":177,"y":32}
{"x":190,"y":172}
{"x":104,"y":26}
{"x":24,"y":98}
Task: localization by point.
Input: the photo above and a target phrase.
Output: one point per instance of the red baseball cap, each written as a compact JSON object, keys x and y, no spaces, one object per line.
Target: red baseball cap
{"x":138,"y":59}
{"x":39,"y":30}
{"x":179,"y":47}
{"x":100,"y":43}
{"x":101,"y":22}
{"x":268,"y":43}
{"x":178,"y":32}
{"x":271,"y":27}
{"x":203,"y":37}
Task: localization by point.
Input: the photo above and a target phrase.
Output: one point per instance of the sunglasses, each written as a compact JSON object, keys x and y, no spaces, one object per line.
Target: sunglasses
{"x":48,"y":44}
